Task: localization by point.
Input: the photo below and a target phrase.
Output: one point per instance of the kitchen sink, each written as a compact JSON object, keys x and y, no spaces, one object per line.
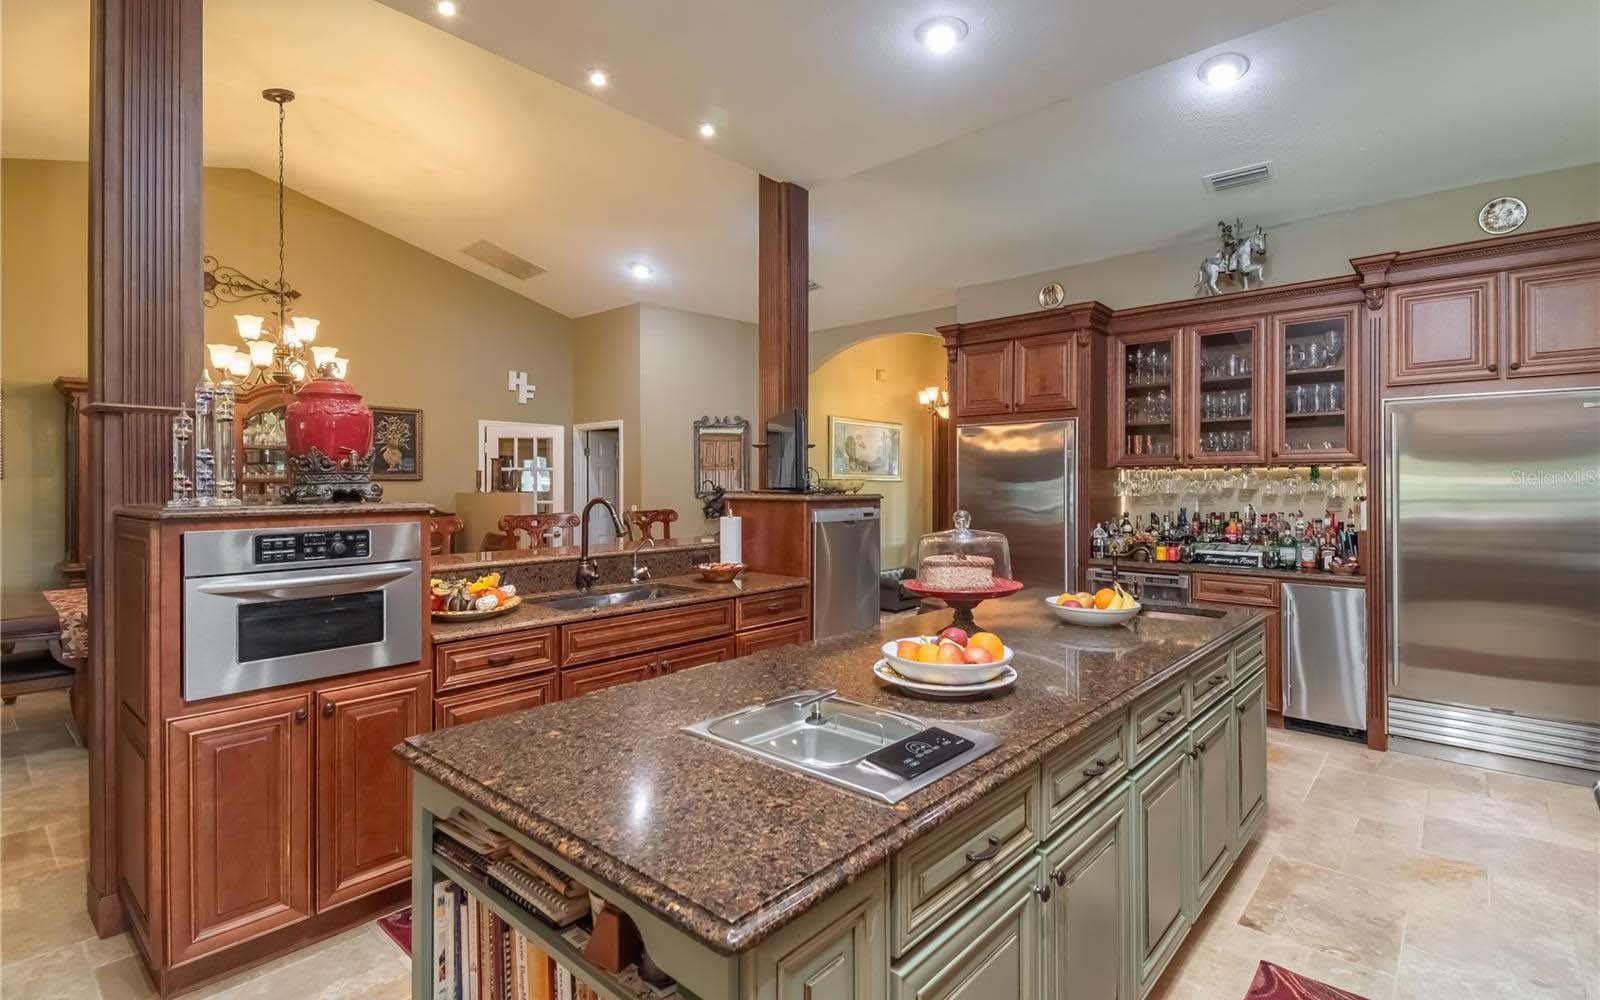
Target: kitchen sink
{"x":613,"y":598}
{"x":832,"y":738}
{"x":1180,"y":611}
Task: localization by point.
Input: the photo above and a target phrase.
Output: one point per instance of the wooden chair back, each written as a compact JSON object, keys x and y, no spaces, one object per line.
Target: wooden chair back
{"x":441,"y":533}
{"x":643,"y":522}
{"x":542,"y":530}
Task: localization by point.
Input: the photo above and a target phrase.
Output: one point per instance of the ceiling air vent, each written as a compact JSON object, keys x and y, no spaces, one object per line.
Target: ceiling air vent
{"x":1227,"y":180}
{"x":501,"y":259}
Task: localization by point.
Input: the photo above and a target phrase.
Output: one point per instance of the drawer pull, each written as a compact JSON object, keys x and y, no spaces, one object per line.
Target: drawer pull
{"x":1167,"y":716}
{"x":1213,"y":682}
{"x":1096,"y":771}
{"x":1043,"y":892}
{"x":987,"y":854}
{"x":776,"y":605}
{"x":1059,"y":878}
{"x":1244,"y":708}
{"x":1200,"y":745}
{"x":502,"y":659}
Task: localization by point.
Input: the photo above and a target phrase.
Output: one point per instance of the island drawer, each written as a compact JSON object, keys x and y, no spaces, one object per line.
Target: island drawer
{"x":470,"y":662}
{"x":608,"y":638}
{"x":498,"y":699}
{"x":1074,"y":776}
{"x":1262,"y":591}
{"x":770,"y":609}
{"x":1208,"y":680}
{"x":1157,"y":717}
{"x":937,"y":875}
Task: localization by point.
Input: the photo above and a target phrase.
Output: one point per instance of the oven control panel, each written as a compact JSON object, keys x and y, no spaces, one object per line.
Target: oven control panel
{"x":310,"y":546}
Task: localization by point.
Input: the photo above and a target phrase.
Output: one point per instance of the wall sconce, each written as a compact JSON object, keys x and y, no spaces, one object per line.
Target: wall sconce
{"x":935,"y":399}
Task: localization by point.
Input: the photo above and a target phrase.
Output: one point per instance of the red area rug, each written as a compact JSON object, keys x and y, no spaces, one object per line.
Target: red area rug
{"x":398,"y":927}
{"x":1273,"y":982}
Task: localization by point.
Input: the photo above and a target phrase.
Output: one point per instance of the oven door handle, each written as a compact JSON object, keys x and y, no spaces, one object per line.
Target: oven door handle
{"x":306,"y":586}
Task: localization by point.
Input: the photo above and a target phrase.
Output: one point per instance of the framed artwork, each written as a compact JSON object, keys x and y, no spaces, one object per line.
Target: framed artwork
{"x":864,"y":449}
{"x":397,"y":441}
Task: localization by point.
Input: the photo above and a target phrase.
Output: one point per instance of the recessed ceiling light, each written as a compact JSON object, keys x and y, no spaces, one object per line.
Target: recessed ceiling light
{"x":446,"y":8}
{"x":598,"y":78}
{"x":941,"y":34}
{"x":641,"y":271}
{"x":708,"y":130}
{"x":1225,"y":70}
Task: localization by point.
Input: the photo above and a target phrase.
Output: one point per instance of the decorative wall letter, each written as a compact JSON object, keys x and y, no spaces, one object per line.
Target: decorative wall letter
{"x":517,"y":382}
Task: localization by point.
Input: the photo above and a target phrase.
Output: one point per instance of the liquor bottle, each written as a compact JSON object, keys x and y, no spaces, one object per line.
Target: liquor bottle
{"x":1126,"y":528}
{"x":1097,"y":541}
{"x":1308,"y":551}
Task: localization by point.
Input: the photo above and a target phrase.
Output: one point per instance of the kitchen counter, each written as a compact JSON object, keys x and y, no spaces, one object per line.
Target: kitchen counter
{"x":159,"y":512}
{"x":534,"y":615}
{"x":729,"y":849}
{"x":1135,"y":566}
{"x":461,"y":562}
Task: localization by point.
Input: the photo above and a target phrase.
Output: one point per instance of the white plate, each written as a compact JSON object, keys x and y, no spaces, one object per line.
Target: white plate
{"x":887,"y":674}
{"x":945,"y":673}
{"x":1093,"y":616}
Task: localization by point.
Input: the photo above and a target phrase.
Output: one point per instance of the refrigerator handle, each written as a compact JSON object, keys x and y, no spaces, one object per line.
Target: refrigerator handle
{"x":1283,"y":654}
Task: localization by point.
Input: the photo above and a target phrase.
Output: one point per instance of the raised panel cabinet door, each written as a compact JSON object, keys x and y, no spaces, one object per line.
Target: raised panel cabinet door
{"x":363,"y":788}
{"x":580,"y":681}
{"x":1160,"y":870}
{"x":774,"y":636}
{"x":983,"y":379}
{"x":1087,"y":953}
{"x":1442,"y":331}
{"x":989,"y":950}
{"x":497,"y":699}
{"x":1250,"y":729}
{"x":1211,"y":801}
{"x":1274,"y":652}
{"x":697,"y":655}
{"x":1147,"y":419}
{"x":1555,"y":320}
{"x":1047,"y":373}
{"x":239,"y":823}
{"x":843,"y":962}
{"x":1223,"y":373}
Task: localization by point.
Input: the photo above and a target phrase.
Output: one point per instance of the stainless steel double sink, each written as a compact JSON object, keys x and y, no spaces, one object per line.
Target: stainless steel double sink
{"x":614,"y":598}
{"x":825,"y":736}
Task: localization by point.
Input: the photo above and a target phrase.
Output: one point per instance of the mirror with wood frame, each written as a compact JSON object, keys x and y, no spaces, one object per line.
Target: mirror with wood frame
{"x":721,"y":455}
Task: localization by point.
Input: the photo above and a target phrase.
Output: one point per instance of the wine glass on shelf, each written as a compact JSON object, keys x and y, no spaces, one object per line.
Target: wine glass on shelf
{"x":1334,"y":344}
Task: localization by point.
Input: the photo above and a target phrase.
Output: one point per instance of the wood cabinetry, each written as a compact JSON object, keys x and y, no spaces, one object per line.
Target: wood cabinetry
{"x":362,"y":788}
{"x":470,"y":662}
{"x":984,"y":380}
{"x":238,"y":814}
{"x":772,"y":637}
{"x":1443,"y":331}
{"x":1223,"y":364}
{"x":1211,"y":756}
{"x":498,"y":699}
{"x":1145,"y":402}
{"x":1161,"y":818}
{"x":579,"y":681}
{"x":993,"y":954}
{"x":1250,"y":757}
{"x":1087,"y":945}
{"x":1554,"y":315}
{"x":1046,"y":373}
{"x":1314,"y":403}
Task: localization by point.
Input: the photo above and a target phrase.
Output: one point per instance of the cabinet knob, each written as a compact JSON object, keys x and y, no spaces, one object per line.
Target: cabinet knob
{"x":328,"y":708}
{"x":1515,"y":365}
{"x":1493,"y":366}
{"x":1059,"y":878}
{"x":1043,"y":892}
{"x":1200,"y":745}
{"x":300,"y":715}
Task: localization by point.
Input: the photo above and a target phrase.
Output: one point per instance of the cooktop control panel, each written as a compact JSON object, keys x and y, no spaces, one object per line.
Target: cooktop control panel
{"x":310,"y":546}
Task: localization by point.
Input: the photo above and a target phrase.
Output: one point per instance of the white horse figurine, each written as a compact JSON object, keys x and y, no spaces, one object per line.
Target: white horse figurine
{"x":1241,"y":263}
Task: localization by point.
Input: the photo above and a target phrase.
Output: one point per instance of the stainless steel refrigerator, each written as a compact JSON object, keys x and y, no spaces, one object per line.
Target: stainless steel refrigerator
{"x":1021,"y":480}
{"x":1492,"y":511}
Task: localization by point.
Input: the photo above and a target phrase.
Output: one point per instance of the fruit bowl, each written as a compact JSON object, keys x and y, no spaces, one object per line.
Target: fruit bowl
{"x":944,"y":672}
{"x":1093,"y":616}
{"x":719,"y":572}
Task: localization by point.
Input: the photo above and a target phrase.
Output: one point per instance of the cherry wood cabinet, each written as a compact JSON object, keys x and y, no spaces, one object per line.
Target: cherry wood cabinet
{"x":470,"y":662}
{"x":1554,"y":315}
{"x":608,"y":638}
{"x":1222,"y":368}
{"x":984,"y":379}
{"x":1443,"y":331}
{"x":1314,"y":404}
{"x":496,"y":699}
{"x":363,"y":789}
{"x":773,"y":636}
{"x":1146,"y":398}
{"x":579,"y":681}
{"x":1046,"y":373}
{"x":239,"y":824}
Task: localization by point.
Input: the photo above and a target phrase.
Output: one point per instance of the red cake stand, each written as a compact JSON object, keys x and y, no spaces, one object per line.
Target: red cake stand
{"x":963,"y":601}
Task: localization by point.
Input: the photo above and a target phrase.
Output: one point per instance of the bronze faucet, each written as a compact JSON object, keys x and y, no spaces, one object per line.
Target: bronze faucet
{"x":588,"y":572}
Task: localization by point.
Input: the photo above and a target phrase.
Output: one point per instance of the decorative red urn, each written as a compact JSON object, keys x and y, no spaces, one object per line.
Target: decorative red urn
{"x":329,"y":432}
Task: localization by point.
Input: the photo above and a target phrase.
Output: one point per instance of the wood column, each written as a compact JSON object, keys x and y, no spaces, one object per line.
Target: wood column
{"x":784,"y":340}
{"x":145,"y":330}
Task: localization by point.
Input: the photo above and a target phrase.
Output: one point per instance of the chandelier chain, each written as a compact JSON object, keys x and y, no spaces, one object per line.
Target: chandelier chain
{"x":282,"y":110}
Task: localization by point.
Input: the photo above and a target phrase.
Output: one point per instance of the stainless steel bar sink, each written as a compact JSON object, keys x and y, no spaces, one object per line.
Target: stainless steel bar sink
{"x":828,"y":737}
{"x":1180,"y":611}
{"x":612,"y":598}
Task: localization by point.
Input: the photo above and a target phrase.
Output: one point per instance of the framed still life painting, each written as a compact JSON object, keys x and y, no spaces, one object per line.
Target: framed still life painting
{"x":397,"y":441}
{"x":864,"y":449}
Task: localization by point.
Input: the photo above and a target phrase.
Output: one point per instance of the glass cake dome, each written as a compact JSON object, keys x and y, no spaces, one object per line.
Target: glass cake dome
{"x":963,"y":558}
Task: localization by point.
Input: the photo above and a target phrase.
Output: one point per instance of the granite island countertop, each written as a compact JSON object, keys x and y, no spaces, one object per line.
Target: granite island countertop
{"x":532,"y":614}
{"x":1304,"y":576}
{"x":729,"y":848}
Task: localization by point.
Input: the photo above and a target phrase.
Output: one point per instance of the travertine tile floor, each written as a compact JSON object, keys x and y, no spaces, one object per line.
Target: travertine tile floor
{"x":1391,"y":875}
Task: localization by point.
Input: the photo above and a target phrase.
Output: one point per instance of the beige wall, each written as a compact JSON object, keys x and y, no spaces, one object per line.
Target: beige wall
{"x":605,"y":385}
{"x":1301,"y":251}
{"x":878,"y":379}
{"x":44,"y":308}
{"x":826,"y":343}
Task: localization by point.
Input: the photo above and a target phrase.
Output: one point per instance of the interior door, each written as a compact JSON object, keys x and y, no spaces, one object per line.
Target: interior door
{"x":523,"y":458}
{"x":602,"y":448}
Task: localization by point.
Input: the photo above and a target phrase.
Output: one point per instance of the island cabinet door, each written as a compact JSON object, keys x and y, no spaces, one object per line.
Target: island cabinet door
{"x":239,"y":819}
{"x":1250,"y":729}
{"x":837,"y":950}
{"x":1211,"y":801}
{"x":1160,"y":842}
{"x":1087,"y":951}
{"x":363,"y":788}
{"x":989,"y":950}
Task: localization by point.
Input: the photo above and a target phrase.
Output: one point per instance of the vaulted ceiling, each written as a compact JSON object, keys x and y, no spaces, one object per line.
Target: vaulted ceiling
{"x":1058,"y":132}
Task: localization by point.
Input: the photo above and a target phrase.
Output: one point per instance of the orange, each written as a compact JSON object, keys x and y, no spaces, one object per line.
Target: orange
{"x":1104,"y":597}
{"x":928,"y":652}
{"x":988,"y":641}
{"x":906,"y":649}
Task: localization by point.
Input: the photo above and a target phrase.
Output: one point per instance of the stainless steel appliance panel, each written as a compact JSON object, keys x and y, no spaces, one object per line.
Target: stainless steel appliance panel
{"x":1493,"y":515}
{"x":1160,"y":588}
{"x":845,"y":562}
{"x":1325,"y":654}
{"x":1021,"y":480}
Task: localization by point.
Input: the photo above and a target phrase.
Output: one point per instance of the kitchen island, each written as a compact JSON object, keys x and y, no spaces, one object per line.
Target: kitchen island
{"x":1129,"y":774}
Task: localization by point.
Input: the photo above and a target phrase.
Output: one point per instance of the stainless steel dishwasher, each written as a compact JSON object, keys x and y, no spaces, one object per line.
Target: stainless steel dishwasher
{"x":1325,"y":654}
{"x":844,"y":570}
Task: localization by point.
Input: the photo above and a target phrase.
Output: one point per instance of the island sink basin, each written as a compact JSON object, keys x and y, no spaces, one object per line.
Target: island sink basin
{"x":828,"y":737}
{"x":612,"y":598}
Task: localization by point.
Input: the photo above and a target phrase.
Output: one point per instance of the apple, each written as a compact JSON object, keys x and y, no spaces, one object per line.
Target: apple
{"x":955,"y":635}
{"x":949,"y":652}
{"x":977,"y":654}
{"x":906,"y":649}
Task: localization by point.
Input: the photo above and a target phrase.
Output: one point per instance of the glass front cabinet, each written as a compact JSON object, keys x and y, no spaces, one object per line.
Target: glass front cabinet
{"x":1144,"y":398}
{"x":1315,"y":387}
{"x":1222,"y":408}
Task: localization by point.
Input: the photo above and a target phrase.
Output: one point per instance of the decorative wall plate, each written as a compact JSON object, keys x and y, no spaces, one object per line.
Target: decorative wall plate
{"x":1052,"y":295}
{"x":1502,"y":215}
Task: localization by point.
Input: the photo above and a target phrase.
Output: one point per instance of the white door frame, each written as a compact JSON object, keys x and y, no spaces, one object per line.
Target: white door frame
{"x":515,"y":428}
{"x":580,"y":461}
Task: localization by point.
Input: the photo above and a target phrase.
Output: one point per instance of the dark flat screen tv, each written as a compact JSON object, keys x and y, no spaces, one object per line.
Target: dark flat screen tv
{"x":786,"y":451}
